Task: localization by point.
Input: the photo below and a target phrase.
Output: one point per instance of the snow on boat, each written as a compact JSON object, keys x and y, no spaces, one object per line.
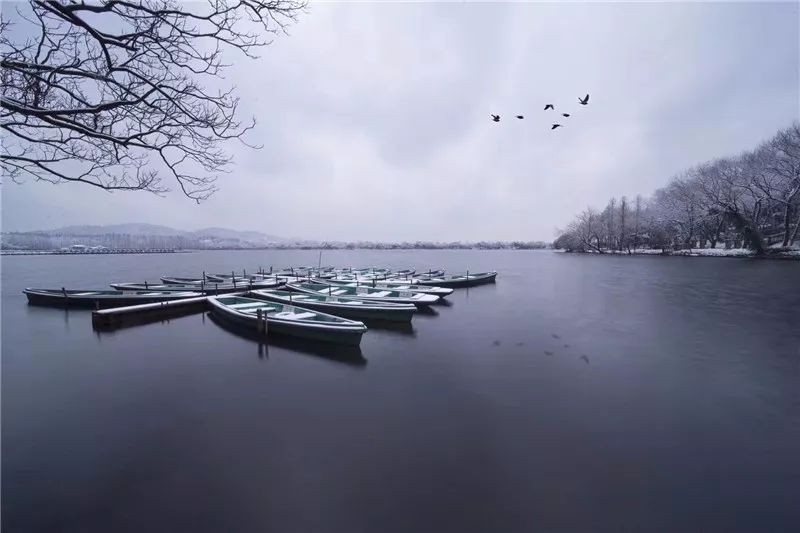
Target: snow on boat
{"x":366,"y":293}
{"x":206,"y":288}
{"x":397,"y":285}
{"x":465,"y":280}
{"x":98,"y":299}
{"x":346,"y":307}
{"x":216,"y":284}
{"x":171,"y":280}
{"x":287,"y":319}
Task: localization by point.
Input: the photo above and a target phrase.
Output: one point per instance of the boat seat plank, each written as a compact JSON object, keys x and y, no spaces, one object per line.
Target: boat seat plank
{"x":288,"y":315}
{"x":247,"y":305}
{"x":380,"y":294}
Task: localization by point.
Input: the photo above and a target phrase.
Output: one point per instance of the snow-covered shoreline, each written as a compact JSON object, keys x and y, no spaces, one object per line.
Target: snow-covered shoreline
{"x":792,"y":254}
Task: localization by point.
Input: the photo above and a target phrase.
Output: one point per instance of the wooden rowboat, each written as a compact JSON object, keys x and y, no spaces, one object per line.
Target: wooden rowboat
{"x":286,"y":319}
{"x":396,"y":285}
{"x":345,"y":307}
{"x":207,"y":288}
{"x":465,"y":280}
{"x":366,"y":293}
{"x":101,"y":299}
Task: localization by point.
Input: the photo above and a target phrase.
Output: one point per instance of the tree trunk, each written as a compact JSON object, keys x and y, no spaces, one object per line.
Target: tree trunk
{"x":750,"y":233}
{"x":787,"y":214}
{"x":796,"y":227}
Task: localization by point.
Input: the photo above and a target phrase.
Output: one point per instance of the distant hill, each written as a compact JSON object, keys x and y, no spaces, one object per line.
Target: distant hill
{"x":129,"y":229}
{"x":139,"y":228}
{"x":139,"y":235}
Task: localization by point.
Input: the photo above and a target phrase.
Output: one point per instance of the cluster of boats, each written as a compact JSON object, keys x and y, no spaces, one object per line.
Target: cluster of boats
{"x":325,"y":304}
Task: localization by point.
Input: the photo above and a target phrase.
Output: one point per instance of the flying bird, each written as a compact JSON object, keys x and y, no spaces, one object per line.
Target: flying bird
{"x":584,"y":101}
{"x":585,"y":359}
{"x":548,"y":106}
{"x":520,"y":117}
{"x":555,"y":126}
{"x":565,"y":114}
{"x":496,"y":118}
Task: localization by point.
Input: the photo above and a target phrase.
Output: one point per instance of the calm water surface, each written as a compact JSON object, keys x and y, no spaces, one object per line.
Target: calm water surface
{"x":577,"y":393}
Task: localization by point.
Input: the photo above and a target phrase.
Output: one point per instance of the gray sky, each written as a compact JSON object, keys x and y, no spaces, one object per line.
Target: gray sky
{"x":375,"y":119}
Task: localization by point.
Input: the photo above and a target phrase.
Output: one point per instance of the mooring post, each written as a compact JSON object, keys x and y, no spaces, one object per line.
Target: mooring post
{"x":145,"y":284}
{"x":266,"y":324}
{"x":258,"y":319}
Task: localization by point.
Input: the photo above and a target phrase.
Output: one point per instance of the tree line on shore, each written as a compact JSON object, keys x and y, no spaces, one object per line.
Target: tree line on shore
{"x":751,"y":200}
{"x":44,"y":241}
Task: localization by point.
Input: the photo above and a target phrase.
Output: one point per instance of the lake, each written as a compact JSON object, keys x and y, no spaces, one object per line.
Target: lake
{"x":577,"y":393}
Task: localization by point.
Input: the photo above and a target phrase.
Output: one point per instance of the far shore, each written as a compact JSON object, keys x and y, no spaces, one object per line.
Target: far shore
{"x":738,"y":253}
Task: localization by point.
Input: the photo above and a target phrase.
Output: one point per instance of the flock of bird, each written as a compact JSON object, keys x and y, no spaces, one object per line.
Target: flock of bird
{"x":582,"y":101}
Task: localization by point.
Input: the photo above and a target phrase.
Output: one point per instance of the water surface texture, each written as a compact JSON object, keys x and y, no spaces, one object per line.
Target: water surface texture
{"x":577,"y":393}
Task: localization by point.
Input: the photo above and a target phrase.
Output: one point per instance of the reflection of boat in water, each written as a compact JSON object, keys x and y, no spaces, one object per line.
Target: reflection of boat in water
{"x":337,"y":353}
{"x":399,"y":328}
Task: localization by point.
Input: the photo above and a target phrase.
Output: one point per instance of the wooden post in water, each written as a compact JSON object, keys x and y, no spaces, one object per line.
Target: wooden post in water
{"x":145,"y":285}
{"x":266,"y":324}
{"x":64,"y":292}
{"x":258,"y":320}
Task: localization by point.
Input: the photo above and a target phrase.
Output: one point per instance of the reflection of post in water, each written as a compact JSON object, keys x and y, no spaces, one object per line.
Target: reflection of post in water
{"x":263,"y":350}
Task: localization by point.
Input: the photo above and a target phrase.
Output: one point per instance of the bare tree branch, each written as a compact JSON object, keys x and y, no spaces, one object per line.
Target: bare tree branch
{"x":111,"y":93}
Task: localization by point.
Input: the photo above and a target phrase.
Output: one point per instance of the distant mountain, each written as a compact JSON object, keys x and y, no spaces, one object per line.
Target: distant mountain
{"x":224,"y":233}
{"x":139,"y":235}
{"x":255,"y":237}
{"x":129,"y":229}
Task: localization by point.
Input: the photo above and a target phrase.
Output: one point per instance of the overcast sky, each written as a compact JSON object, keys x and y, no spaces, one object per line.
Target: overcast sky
{"x":375,"y":119}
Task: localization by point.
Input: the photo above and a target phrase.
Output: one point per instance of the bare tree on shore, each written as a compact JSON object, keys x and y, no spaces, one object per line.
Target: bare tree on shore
{"x":118,"y":94}
{"x":751,"y":200}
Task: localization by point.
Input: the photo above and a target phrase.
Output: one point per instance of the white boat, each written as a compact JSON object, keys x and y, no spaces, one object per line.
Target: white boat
{"x":346,"y":307}
{"x":366,"y":293}
{"x":396,"y":285}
